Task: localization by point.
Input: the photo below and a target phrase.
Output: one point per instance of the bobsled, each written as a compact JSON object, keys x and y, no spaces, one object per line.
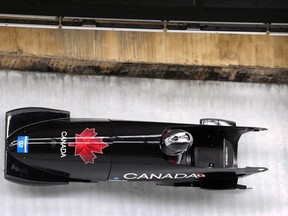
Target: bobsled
{"x":46,"y":146}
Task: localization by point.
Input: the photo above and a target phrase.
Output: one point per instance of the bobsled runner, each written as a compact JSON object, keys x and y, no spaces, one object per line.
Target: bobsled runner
{"x":46,"y":146}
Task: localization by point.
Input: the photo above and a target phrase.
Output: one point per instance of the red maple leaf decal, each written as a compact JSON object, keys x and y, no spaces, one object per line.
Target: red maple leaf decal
{"x":86,"y":144}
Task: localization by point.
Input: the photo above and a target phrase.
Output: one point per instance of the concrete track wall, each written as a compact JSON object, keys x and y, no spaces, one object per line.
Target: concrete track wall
{"x":168,"y":48}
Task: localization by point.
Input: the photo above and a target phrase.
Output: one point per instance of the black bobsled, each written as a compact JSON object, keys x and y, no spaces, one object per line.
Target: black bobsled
{"x":46,"y":146}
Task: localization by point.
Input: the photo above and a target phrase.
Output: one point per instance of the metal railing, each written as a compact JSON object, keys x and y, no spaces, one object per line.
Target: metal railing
{"x":81,"y":23}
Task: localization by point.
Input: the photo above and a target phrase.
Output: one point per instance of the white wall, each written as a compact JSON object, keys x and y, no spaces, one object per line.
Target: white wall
{"x":155,"y":100}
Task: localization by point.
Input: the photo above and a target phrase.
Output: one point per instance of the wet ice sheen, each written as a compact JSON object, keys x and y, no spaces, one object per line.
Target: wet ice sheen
{"x":155,"y":100}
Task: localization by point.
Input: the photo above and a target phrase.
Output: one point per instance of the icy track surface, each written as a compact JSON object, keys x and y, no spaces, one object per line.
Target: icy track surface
{"x":155,"y":100}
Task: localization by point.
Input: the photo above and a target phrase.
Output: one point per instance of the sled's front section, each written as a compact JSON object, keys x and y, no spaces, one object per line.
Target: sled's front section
{"x":52,"y":149}
{"x":15,"y":120}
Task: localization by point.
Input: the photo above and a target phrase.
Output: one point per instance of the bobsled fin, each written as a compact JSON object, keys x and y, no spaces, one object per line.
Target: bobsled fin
{"x":18,"y":118}
{"x":254,"y":170}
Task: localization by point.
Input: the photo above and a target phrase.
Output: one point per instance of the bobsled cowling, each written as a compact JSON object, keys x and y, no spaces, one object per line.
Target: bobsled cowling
{"x":46,"y":146}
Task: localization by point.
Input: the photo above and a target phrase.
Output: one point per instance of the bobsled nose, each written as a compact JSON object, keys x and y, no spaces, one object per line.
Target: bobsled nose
{"x":14,"y":170}
{"x":22,"y":167}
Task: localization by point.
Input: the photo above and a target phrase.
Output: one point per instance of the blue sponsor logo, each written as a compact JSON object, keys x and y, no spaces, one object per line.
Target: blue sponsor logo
{"x":22,"y":144}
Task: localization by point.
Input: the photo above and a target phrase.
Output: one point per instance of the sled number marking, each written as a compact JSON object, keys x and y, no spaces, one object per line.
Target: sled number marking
{"x":22,"y":144}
